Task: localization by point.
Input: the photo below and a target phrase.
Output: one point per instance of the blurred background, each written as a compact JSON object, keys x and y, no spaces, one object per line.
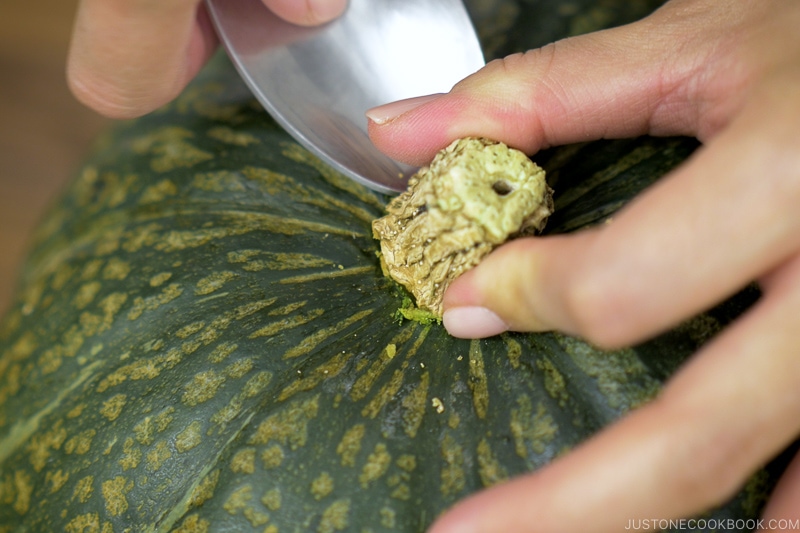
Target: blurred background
{"x":44,"y":131}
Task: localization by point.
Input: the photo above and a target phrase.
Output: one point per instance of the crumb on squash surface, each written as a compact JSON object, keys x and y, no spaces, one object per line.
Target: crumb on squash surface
{"x":475,"y":195}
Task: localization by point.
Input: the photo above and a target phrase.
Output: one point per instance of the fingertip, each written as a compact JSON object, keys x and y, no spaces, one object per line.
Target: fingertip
{"x":308,"y":12}
{"x":471,"y":322}
{"x":103,"y":97}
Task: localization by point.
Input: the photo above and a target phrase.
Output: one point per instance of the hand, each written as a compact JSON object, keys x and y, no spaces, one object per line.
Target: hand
{"x":728,"y":72}
{"x":129,"y":57}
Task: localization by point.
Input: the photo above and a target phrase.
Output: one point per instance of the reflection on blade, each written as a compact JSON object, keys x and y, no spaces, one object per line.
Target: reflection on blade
{"x":318,"y":82}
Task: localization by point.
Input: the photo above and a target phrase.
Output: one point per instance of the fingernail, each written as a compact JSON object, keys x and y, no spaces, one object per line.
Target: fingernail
{"x":387,"y":112}
{"x":473,"y":322}
{"x":326,"y":10}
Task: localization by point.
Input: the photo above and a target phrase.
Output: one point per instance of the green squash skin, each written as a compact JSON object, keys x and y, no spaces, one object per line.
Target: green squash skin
{"x":204,"y":341}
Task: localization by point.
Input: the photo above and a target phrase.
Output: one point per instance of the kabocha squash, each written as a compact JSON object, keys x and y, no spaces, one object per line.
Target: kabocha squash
{"x":204,"y":340}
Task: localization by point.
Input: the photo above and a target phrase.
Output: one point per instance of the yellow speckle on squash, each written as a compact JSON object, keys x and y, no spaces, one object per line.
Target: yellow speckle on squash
{"x":388,"y":517}
{"x":414,"y":404}
{"x":202,"y":388}
{"x":366,"y":380}
{"x":219,"y":181}
{"x":88,"y":523}
{"x":272,"y":499}
{"x":61,"y":276}
{"x":141,"y":236}
{"x":288,"y":309}
{"x":272,"y":456}
{"x":91,"y":269}
{"x":86,"y":293}
{"x":81,"y":443}
{"x":84,"y":489}
{"x":309,"y":278}
{"x":230,"y":136}
{"x":620,"y":375}
{"x":240,"y":368}
{"x":289,"y":425}
{"x":222,"y":351}
{"x":194,"y":524}
{"x":164,"y":418}
{"x":158,"y":455}
{"x":204,"y":491}
{"x":112,"y":407}
{"x":140,"y":305}
{"x":23,"y":348}
{"x":297,"y":153}
{"x":244,"y":461}
{"x":145,"y":431}
{"x":513,"y":351}
{"x":536,"y":429}
{"x":40,"y":446}
{"x":454,"y":420}
{"x":56,"y":479}
{"x":407,"y":462}
{"x":116,"y":269}
{"x":214,"y":282}
{"x":251,"y":308}
{"x":191,"y":346}
{"x":160,"y":279}
{"x":170,"y":149}
{"x":258,"y":260}
{"x":489,"y":468}
{"x":278,"y":327}
{"x":189,"y":330}
{"x":350,"y":445}
{"x":115,"y":495}
{"x":158,"y":192}
{"x":189,"y":438}
{"x":256,"y":518}
{"x":377,"y":464}
{"x":452,"y":474}
{"x":336,"y":517}
{"x":132,"y":455}
{"x":23,"y":488}
{"x":330,"y":368}
{"x":401,"y":492}
{"x":238,"y":499}
{"x":141,"y":369}
{"x":322,"y":486}
{"x":242,"y":256}
{"x":110,"y":446}
{"x":387,"y":392}
{"x":554,"y":382}
{"x":477,"y":379}
{"x":254,"y":385}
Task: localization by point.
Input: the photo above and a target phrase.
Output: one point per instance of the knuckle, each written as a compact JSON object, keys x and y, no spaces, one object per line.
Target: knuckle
{"x":597,"y":312}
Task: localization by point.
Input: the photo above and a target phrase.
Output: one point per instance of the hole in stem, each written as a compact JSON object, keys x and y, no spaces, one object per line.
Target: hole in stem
{"x":502,"y":188}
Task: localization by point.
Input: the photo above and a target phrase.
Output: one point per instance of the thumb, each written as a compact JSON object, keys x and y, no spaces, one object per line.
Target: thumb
{"x":610,"y":84}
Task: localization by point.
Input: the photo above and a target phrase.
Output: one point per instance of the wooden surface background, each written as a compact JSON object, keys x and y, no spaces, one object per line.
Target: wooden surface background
{"x":44,"y":131}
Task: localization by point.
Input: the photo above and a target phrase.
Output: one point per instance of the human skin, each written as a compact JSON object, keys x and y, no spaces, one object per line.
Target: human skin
{"x":129,"y":57}
{"x":727,"y":72}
